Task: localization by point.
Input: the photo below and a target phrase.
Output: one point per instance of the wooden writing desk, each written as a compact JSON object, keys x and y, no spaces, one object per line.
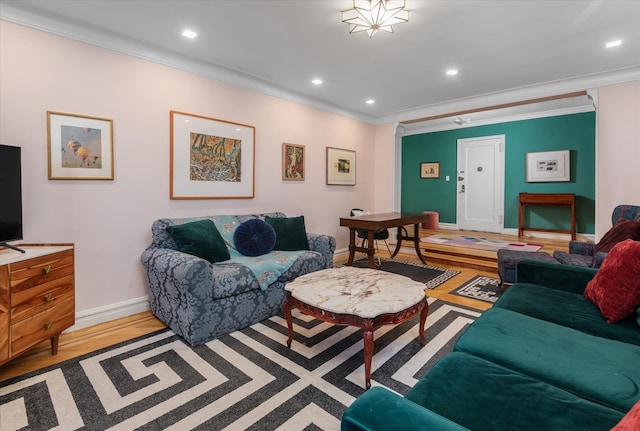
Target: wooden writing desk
{"x":374,"y":222}
{"x":547,"y":199}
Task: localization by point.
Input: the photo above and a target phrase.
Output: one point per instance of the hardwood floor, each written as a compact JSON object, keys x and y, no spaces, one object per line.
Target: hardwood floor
{"x":77,"y":343}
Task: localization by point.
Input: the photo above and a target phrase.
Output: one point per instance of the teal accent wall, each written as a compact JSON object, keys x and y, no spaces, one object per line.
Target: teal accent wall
{"x":575,"y":132}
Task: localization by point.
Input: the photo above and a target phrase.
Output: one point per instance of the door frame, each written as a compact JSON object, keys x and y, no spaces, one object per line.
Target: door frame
{"x":499,"y":175}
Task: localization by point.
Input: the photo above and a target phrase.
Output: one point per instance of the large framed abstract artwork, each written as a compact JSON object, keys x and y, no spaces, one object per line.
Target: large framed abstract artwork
{"x":341,"y":167}
{"x":79,"y":147}
{"x":211,"y":158}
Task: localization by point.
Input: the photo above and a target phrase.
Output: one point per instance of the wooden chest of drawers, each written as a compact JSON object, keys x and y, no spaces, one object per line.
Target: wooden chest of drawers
{"x":37,"y":298}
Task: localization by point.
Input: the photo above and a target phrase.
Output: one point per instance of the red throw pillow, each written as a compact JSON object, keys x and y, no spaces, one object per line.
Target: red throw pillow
{"x":630,"y":421}
{"x":615,"y":288}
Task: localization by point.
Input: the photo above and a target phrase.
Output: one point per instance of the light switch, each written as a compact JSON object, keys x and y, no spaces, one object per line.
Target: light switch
{"x":447,"y":178}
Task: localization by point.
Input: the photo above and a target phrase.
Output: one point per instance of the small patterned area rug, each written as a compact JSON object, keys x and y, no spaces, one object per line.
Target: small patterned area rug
{"x":486,"y":289}
{"x":480,"y":243}
{"x":431,"y":276}
{"x":246,"y":380}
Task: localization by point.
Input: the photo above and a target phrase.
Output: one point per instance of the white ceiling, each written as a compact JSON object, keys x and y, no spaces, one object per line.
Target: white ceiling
{"x":505,"y":50}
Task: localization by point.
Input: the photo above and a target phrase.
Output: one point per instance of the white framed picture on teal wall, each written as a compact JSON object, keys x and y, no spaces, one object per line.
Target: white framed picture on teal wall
{"x":548,"y":166}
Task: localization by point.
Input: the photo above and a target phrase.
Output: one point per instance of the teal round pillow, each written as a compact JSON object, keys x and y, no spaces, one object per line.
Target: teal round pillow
{"x":254,"y":237}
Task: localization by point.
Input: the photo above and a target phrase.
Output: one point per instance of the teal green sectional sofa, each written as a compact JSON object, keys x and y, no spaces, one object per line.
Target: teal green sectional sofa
{"x":543,"y":358}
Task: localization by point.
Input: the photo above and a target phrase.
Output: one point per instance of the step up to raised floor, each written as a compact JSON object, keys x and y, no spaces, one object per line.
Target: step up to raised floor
{"x":468,"y":258}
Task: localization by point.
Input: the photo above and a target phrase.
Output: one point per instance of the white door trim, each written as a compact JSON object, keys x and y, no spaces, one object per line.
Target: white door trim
{"x":495,"y":199}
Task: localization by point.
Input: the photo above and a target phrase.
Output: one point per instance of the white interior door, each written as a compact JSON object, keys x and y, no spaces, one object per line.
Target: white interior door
{"x":480,"y":204}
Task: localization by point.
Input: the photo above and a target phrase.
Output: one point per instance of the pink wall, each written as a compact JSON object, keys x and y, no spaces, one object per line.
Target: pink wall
{"x":618,"y":150}
{"x":109,"y":221}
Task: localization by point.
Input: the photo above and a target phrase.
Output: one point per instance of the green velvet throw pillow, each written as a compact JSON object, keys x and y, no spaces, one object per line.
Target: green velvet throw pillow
{"x":290,"y":233}
{"x":200,"y":238}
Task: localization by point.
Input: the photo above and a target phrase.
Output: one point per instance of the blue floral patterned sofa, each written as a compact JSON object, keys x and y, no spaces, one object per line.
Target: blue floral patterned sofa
{"x":200,"y":300}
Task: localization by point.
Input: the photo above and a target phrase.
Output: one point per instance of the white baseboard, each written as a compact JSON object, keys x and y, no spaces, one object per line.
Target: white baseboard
{"x":589,"y":237}
{"x":341,"y":253}
{"x":110,"y":312}
{"x":450,"y":226}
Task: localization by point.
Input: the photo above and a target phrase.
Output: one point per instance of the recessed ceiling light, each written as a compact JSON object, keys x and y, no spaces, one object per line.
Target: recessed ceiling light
{"x":316,"y":81}
{"x":190,"y":34}
{"x":614,"y":43}
{"x":452,"y":72}
{"x":370,"y":102}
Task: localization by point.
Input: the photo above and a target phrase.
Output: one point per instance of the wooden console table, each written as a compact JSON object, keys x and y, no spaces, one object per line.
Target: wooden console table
{"x":547,"y":199}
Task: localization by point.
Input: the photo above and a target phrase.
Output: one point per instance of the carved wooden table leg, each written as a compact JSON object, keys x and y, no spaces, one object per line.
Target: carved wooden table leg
{"x":352,"y":246}
{"x":287,"y":316}
{"x":367,"y":335}
{"x":423,"y":320}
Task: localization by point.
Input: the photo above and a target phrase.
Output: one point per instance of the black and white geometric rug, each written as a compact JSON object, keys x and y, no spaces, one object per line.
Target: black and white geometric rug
{"x":246,"y":380}
{"x":431,"y":276}
{"x":486,"y":289}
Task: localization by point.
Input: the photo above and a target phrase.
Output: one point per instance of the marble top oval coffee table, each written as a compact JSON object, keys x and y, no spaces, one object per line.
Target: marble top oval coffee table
{"x":365,"y":298}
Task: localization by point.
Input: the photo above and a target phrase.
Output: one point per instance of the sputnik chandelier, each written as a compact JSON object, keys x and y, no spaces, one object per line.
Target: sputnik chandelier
{"x":374,"y":15}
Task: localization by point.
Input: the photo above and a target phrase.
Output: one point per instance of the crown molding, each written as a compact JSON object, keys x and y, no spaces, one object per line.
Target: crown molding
{"x":425,"y":127}
{"x":113,"y":42}
{"x":518,"y":94}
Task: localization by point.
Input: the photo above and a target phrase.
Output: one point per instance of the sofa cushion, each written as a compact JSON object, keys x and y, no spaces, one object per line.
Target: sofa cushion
{"x":484,"y":396}
{"x":200,"y":238}
{"x":379,"y":408}
{"x":567,"y":309}
{"x":291,"y":233}
{"x":254,"y":237}
{"x":615,"y":289}
{"x":601,"y":370}
{"x":572,"y":259}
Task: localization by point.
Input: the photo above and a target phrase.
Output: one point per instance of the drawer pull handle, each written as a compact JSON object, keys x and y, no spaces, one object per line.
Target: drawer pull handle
{"x":47,"y":269}
{"x":48,"y":297}
{"x":48,"y":325}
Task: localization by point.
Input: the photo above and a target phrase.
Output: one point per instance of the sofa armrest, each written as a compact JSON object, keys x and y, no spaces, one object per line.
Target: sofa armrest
{"x":581,"y":248}
{"x":177,"y":274}
{"x":598,"y":259}
{"x":380,"y":409}
{"x":323,"y":244}
{"x":554,"y":275}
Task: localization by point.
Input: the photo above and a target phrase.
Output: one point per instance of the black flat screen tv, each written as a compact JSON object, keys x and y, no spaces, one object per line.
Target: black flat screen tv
{"x":10,"y":195}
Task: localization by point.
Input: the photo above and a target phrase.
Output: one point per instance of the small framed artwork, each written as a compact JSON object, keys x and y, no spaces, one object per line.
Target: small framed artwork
{"x":211,"y":158}
{"x":341,"y":167}
{"x":292,"y":162}
{"x":79,"y":147}
{"x":548,"y":166}
{"x":430,"y":170}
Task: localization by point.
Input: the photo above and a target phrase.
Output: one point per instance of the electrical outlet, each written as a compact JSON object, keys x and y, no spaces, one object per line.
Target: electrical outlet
{"x":447,"y":178}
